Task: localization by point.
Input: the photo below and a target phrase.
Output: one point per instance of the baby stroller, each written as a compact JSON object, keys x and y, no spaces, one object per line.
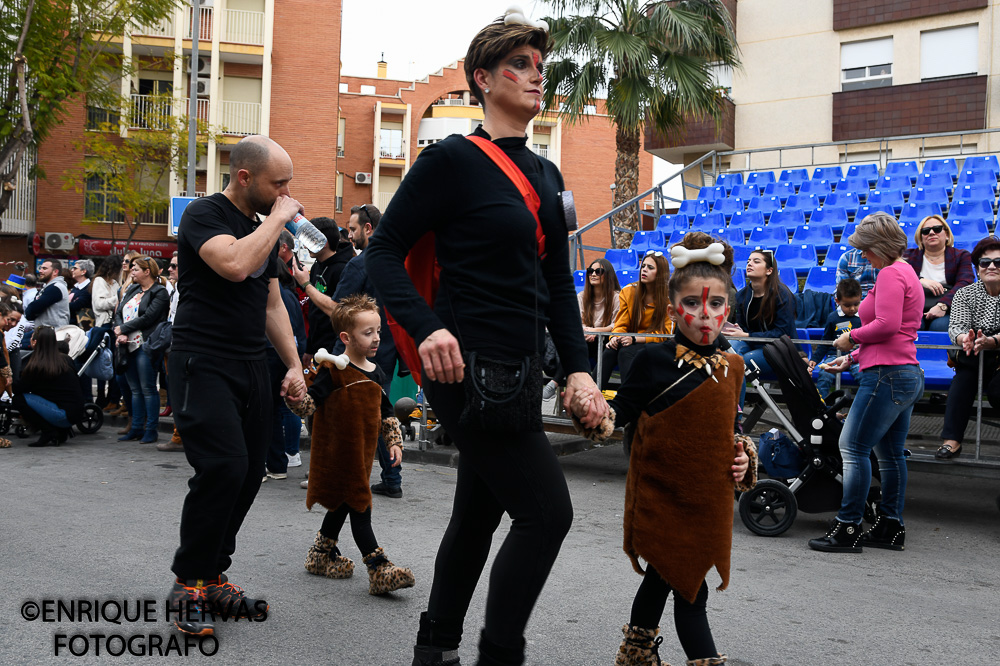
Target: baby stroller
{"x":93,"y":416}
{"x":771,"y":506}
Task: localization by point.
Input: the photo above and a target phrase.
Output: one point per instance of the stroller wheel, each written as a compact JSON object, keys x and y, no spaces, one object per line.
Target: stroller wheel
{"x":20,"y":430}
{"x":769,"y":508}
{"x":93,"y":419}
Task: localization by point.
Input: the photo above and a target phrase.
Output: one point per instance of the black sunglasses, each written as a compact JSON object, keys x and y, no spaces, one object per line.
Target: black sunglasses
{"x":985,"y":263}
{"x":173,"y":265}
{"x":937,"y":228}
{"x":364,"y":208}
{"x":596,"y":271}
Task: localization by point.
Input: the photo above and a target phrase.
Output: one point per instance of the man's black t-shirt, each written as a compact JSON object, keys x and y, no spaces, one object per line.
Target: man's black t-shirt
{"x":325,"y":275}
{"x":214,"y":315}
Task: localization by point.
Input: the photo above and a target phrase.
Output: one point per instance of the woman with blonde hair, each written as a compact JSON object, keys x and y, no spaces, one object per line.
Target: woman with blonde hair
{"x":891,"y":382}
{"x":643,"y":309}
{"x":942,"y":268}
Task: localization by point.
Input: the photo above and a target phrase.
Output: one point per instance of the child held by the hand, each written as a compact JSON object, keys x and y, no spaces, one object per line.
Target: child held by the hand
{"x":685,"y":456}
{"x":351,"y":410}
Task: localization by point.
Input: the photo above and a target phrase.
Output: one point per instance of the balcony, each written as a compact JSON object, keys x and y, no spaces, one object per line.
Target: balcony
{"x":699,"y":135}
{"x":391,"y":154}
{"x":243,"y":27}
{"x":164,"y":28}
{"x":150,"y":112}
{"x":204,"y":24}
{"x":859,"y":13}
{"x":241,"y":118}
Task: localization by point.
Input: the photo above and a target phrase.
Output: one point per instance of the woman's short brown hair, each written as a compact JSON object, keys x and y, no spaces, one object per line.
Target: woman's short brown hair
{"x":495,"y":41}
{"x":880,"y":234}
{"x":950,"y":242}
{"x":982,"y":247}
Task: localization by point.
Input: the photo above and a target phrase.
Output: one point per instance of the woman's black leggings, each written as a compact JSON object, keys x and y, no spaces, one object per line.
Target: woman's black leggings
{"x":517,"y":474}
{"x":361,"y":527}
{"x":690,"y":620}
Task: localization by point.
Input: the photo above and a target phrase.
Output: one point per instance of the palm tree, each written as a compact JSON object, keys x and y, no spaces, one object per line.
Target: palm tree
{"x":652,"y":59}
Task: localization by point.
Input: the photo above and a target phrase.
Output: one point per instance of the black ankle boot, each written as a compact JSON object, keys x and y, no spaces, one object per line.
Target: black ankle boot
{"x":842,"y":538}
{"x":885,"y":533}
{"x":437,"y":642}
{"x":491,"y":654}
{"x":48,"y":438}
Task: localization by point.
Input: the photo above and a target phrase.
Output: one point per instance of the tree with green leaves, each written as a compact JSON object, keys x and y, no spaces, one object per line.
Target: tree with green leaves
{"x":652,"y":60}
{"x":133,"y":167}
{"x":51,"y":52}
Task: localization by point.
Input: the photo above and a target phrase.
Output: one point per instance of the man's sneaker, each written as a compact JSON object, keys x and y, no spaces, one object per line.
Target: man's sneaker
{"x":304,"y":485}
{"x":381,"y":489}
{"x":295,"y":461}
{"x":187,"y":606}
{"x":550,"y":390}
{"x":229,"y":601}
{"x":276,"y":475}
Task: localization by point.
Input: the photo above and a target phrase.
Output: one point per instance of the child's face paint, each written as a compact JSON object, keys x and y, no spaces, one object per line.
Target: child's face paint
{"x":703,"y":306}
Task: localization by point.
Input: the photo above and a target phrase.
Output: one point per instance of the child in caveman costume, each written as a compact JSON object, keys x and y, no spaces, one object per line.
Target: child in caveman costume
{"x":351,"y":410}
{"x":685,"y":457}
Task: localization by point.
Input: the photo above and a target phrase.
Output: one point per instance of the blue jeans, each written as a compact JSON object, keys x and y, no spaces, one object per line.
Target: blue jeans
{"x":937,"y":324}
{"x":145,"y":396}
{"x":878,"y":421}
{"x":755,"y":354}
{"x":825,"y":381}
{"x":47,"y":409}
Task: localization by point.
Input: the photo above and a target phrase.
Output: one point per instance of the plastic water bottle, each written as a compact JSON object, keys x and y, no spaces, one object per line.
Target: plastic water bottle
{"x":306,"y":233}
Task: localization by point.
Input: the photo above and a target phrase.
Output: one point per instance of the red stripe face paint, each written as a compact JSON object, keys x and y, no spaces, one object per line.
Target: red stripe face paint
{"x":704,"y":300}
{"x":704,"y":338}
{"x":720,"y":319}
{"x":688,"y":319}
{"x":537,"y":60}
{"x":511,"y":75}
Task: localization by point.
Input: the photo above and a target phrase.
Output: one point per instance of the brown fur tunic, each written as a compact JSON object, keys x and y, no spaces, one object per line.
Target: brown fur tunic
{"x":679,"y":491}
{"x":345,"y":435}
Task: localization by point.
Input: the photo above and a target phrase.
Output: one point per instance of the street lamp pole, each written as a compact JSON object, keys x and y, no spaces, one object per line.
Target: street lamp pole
{"x":192,"y":161}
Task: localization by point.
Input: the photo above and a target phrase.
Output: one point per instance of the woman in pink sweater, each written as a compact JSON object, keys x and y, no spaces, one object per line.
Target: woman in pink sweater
{"x":891,"y":383}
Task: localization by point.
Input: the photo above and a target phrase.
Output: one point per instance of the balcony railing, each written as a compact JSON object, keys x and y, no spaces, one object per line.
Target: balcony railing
{"x":196,"y":193}
{"x":450,"y":102}
{"x":541,"y":151}
{"x":243,"y":27}
{"x":150,"y":112}
{"x":383,"y":200}
{"x":164,"y":28}
{"x":204,"y":24}
{"x":241,"y":118}
{"x":391,"y":153}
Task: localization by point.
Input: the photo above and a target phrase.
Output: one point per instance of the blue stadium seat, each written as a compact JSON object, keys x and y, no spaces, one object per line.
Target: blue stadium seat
{"x":849,"y":201}
{"x":670,"y":223}
{"x":822,"y":278}
{"x":918,"y":210}
{"x":739,"y":277}
{"x":867,"y":171}
{"x":892,"y":197}
{"x":908,"y":169}
{"x":799,"y":257}
{"x":967,"y":245}
{"x":728,"y":206}
{"x":867,"y":209}
{"x":761,"y":178}
{"x":711,"y":194}
{"x":627,"y":276}
{"x":794,"y":176}
{"x":729,"y":180}
{"x":740,"y":255}
{"x":969,"y":229}
{"x":766,"y":205}
{"x":982,"y":162}
{"x":962,"y":208}
{"x":820,"y":235}
{"x":945,"y":165}
{"x":830,"y":173}
{"x":770,"y":236}
{"x":707,"y":221}
{"x":622,"y":258}
{"x":854,"y":184}
{"x":835,"y":252}
{"x":692,"y":207}
{"x":821,"y":188}
{"x":732,"y":235}
{"x":937,"y":194}
{"x":788,"y":277}
{"x":803,"y":334}
{"x":973,"y":191}
{"x":899,"y":182}
{"x":745,"y":192}
{"x":804,"y":202}
{"x":834,"y":216}
{"x":645,"y":240}
{"x":977,"y":177}
{"x":936,"y":179}
{"x":747,"y":219}
{"x":580,"y":280}
{"x":783,"y":190}
{"x":934,"y":362}
{"x":789,"y":217}
{"x":676,"y":237}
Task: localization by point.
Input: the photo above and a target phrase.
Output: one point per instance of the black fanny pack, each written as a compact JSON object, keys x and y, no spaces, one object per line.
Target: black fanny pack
{"x":502,"y":396}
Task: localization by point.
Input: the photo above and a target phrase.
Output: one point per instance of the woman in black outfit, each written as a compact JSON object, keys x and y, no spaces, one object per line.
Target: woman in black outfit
{"x":47,"y":395}
{"x":495,"y":303}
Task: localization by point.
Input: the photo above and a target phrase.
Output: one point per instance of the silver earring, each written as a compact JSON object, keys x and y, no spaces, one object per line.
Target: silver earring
{"x":487,"y":91}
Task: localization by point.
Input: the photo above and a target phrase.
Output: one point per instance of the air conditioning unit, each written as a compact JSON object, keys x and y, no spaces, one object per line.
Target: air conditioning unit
{"x":204,"y":65}
{"x":58,"y":241}
{"x":206,"y":3}
{"x":362,"y":178}
{"x":204,"y":85}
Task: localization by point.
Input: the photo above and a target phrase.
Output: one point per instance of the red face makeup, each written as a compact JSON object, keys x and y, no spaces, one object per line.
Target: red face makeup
{"x":511,"y":75}
{"x":702,"y":306}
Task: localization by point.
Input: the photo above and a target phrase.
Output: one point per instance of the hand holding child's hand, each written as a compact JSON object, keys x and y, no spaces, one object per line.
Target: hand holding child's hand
{"x":740,"y":463}
{"x":396,"y":454}
{"x":843,"y":343}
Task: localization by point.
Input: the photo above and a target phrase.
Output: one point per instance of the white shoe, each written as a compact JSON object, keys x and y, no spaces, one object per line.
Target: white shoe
{"x":295,"y":461}
{"x":303,"y":431}
{"x":276,"y":475}
{"x":304,"y":484}
{"x":550,"y":390}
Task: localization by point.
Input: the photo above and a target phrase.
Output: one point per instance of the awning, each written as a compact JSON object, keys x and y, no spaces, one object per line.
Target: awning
{"x":95,"y":247}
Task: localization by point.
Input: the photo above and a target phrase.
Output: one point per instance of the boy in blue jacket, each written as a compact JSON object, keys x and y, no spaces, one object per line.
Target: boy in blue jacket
{"x":843,"y":319}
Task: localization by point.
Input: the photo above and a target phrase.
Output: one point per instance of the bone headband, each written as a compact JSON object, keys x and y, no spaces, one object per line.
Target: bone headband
{"x":680,"y":256}
{"x":515,"y":14}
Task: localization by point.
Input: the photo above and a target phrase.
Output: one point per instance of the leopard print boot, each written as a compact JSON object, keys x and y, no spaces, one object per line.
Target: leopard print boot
{"x":640,"y":647}
{"x":384,"y":576}
{"x":708,"y":661}
{"x":324,"y":559}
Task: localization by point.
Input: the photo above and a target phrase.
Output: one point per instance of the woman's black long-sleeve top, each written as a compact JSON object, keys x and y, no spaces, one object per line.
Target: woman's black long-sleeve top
{"x":492,"y":282}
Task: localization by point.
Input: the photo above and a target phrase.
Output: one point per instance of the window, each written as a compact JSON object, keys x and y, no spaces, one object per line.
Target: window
{"x":339,"y":203}
{"x":391,"y":144}
{"x":866,"y":64}
{"x":97,"y":117}
{"x":341,"y":130}
{"x":722,"y":78}
{"x":343,"y":87}
{"x":367,"y":90}
{"x":225,"y":180}
{"x":99,"y":199}
{"x":949,"y":52}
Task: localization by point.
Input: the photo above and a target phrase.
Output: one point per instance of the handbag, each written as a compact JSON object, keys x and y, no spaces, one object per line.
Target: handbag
{"x":159,"y":339}
{"x":120,"y":358}
{"x":779,"y":455}
{"x":502,"y":396}
{"x":102,"y":367}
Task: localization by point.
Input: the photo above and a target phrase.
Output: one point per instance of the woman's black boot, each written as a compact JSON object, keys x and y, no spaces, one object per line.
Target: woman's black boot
{"x":437,"y":642}
{"x":48,"y":438}
{"x":491,"y":654}
{"x":885,"y":533}
{"x":842,"y":538}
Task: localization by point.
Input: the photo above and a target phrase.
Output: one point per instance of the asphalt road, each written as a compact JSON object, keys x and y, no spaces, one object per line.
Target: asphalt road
{"x":98,"y":520}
